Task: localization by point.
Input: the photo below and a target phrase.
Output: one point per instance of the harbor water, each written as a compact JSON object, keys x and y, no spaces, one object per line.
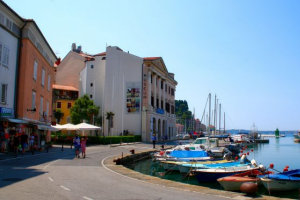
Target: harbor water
{"x":281,"y":152}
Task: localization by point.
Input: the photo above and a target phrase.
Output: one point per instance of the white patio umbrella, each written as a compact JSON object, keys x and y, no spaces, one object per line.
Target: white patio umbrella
{"x":68,"y":127}
{"x":85,"y":126}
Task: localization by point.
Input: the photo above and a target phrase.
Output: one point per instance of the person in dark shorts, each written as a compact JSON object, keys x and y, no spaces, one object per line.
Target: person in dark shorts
{"x":77,"y":145}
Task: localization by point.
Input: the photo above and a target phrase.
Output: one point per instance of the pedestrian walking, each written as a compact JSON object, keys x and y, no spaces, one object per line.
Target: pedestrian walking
{"x":153,"y":140}
{"x":31,"y":143}
{"x":16,"y":143}
{"x":76,"y":142}
{"x":24,"y":142}
{"x":83,"y":146}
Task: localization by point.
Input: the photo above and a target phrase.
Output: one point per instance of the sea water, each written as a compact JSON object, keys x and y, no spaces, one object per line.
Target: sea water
{"x":281,"y":152}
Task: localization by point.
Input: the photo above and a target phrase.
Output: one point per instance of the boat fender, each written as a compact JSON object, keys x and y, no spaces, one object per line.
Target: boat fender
{"x":243,"y":158}
{"x":249,"y":188}
{"x":253,"y":162}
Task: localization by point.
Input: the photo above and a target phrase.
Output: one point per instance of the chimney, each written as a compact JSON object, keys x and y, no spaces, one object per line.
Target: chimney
{"x":73,"y":46}
{"x":79,"y":49}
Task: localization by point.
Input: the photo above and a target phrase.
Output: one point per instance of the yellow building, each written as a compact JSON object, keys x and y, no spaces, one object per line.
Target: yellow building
{"x":64,"y":98}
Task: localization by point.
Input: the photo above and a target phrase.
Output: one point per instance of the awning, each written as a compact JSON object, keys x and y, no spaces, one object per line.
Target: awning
{"x":47,"y":128}
{"x":17,"y":121}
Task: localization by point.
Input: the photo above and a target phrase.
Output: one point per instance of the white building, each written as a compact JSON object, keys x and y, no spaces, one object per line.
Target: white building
{"x":139,"y":91}
{"x":114,"y":81}
{"x":10,"y":23}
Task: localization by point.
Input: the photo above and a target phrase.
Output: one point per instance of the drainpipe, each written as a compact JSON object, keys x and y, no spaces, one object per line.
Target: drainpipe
{"x":18,"y":71}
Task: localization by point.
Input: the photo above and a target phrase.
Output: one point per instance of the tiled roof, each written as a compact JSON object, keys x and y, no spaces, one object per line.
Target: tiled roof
{"x":64,"y":87}
{"x":101,"y":54}
{"x":151,"y":58}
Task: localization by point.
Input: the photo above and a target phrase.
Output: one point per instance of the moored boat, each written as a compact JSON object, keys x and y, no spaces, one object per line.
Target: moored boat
{"x":297,"y":137}
{"x":212,"y":174}
{"x":234,"y":182}
{"x":284,"y":181}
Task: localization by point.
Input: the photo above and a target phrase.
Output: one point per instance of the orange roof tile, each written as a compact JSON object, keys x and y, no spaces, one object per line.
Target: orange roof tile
{"x":151,"y":58}
{"x":101,"y":54}
{"x":64,"y":87}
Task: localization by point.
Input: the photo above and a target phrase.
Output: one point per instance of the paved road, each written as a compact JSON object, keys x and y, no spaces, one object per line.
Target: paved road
{"x":58,"y":175}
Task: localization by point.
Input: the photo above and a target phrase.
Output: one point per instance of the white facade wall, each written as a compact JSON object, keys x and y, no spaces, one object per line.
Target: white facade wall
{"x":123,"y":71}
{"x":111,"y":75}
{"x":8,"y":72}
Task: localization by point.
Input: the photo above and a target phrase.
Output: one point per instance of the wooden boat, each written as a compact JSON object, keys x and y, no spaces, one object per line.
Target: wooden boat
{"x":212,"y":174}
{"x":234,"y":182}
{"x":283,"y":181}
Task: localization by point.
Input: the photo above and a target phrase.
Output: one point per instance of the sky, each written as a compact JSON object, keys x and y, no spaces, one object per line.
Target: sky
{"x":245,"y":52}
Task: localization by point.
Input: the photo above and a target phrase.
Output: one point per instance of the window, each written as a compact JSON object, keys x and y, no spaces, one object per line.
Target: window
{"x":151,"y":78}
{"x":8,"y":24}
{"x":91,"y":84}
{"x":33,"y":99}
{"x":41,"y":105}
{"x":162,"y":85}
{"x":43,"y":77}
{"x":58,"y":104}
{"x":5,"y":56}
{"x":92,"y":66}
{"x":103,"y":58}
{"x":3,"y":93}
{"x":157,"y":103}
{"x":49,"y":82}
{"x":69,"y":105}
{"x":152,"y":101}
{"x":91,"y":96}
{"x":35,"y":68}
{"x":172,"y":92}
{"x":166,"y":88}
{"x":0,"y":53}
{"x":47,"y":108}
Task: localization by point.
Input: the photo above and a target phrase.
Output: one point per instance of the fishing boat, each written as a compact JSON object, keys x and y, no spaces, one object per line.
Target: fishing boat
{"x":297,"y":137}
{"x":234,"y":182}
{"x":284,"y":181}
{"x":184,"y":167}
{"x":188,"y":167}
{"x":182,"y":155}
{"x":212,"y":174}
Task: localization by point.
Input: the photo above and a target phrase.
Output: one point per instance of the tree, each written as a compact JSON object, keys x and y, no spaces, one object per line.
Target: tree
{"x":184,"y":116}
{"x":84,"y":109}
{"x":109,"y":117}
{"x":58,"y":114}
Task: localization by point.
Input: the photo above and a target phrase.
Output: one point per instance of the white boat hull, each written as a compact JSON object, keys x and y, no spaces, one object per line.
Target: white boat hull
{"x":280,"y":185}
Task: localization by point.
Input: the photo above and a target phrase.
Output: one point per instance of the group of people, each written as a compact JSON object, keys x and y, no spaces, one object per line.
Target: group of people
{"x":17,"y":142}
{"x":79,"y":145}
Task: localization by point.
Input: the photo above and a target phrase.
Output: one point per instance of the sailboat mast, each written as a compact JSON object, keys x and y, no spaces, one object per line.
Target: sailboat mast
{"x":215,"y":114}
{"x":209,"y":113}
{"x":224,"y":122}
{"x":219,"y":118}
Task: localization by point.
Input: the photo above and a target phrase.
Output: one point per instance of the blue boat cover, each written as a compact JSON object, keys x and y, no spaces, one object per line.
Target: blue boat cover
{"x":292,"y":175}
{"x":188,"y":154}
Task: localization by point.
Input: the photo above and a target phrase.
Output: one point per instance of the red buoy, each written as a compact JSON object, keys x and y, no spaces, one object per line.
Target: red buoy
{"x":271,"y":165}
{"x":248,"y":153}
{"x":236,"y":158}
{"x":249,"y":188}
{"x":251,"y":150}
{"x":241,"y":151}
{"x":286,"y":169}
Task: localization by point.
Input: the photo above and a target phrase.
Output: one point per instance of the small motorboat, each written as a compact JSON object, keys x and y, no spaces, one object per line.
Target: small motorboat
{"x":234,"y":182}
{"x":212,"y":174}
{"x":284,"y":181}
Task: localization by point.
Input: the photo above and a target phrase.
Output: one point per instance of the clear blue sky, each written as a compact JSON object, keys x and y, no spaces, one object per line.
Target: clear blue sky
{"x":247,"y":52}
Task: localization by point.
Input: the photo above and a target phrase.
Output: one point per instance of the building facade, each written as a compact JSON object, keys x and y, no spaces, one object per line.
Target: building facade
{"x":10,"y":25}
{"x":113,"y":80}
{"x":64,"y":98}
{"x":159,"y":88}
{"x":36,"y":77}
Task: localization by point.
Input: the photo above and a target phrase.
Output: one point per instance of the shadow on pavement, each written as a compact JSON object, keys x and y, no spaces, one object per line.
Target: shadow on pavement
{"x":14,"y":169}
